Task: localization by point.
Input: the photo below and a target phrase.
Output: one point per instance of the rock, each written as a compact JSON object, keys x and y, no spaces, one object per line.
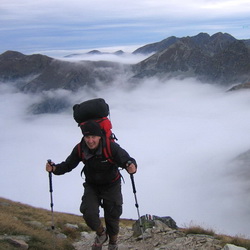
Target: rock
{"x":7,"y":237}
{"x":86,"y":235}
{"x":86,"y":241}
{"x":61,"y":236}
{"x":203,"y":242}
{"x":232,"y":247}
{"x":166,"y":220}
{"x":18,"y":243}
{"x":156,"y":222}
{"x":160,"y":227}
{"x":72,"y":226}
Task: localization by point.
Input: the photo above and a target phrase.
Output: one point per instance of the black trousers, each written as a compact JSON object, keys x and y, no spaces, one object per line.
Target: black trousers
{"x":109,"y":198}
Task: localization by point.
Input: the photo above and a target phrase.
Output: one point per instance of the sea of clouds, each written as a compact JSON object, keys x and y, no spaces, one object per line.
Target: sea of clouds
{"x":184,"y":135}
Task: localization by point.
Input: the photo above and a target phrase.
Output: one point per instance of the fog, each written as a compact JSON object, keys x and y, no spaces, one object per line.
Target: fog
{"x":106,"y":53}
{"x":183,"y":134}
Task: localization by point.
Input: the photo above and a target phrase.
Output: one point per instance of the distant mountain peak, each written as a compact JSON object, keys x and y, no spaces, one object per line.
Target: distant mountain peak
{"x":218,"y":58}
{"x":94,"y":52}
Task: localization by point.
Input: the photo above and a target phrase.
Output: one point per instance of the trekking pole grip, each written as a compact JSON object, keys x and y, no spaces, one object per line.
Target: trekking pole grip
{"x":50,"y":178}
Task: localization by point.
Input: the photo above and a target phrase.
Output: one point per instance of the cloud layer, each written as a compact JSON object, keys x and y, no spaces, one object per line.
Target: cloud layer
{"x":184,"y":135}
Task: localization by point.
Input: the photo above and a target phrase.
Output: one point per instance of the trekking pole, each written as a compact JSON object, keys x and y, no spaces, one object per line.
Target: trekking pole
{"x":136,"y":203}
{"x":51,"y":197}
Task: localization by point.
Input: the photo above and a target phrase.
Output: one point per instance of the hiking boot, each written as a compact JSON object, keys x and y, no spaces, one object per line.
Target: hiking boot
{"x":113,"y":247}
{"x":99,"y":241}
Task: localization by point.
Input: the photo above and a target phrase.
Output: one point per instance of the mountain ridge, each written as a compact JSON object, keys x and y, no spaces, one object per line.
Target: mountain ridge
{"x":218,"y":59}
{"x":198,"y":39}
{"x":34,"y":73}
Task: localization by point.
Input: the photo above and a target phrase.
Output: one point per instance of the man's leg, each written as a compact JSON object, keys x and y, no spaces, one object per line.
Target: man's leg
{"x":90,"y":210}
{"x":112,"y":205}
{"x":90,"y":207}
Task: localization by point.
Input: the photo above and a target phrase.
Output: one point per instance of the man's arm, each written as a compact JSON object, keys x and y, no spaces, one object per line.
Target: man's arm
{"x":66,"y":166}
{"x":123,"y":159}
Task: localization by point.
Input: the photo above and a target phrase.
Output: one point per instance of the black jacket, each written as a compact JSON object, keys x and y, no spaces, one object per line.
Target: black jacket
{"x":97,"y":169}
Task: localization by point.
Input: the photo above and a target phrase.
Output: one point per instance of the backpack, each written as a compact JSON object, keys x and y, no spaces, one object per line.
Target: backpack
{"x":90,"y":110}
{"x":96,"y":110}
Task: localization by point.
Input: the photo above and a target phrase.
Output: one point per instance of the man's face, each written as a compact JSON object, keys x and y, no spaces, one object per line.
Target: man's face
{"x":92,"y":141}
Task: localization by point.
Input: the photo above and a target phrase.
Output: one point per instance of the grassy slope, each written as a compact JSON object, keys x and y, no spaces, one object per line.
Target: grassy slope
{"x":19,"y":219}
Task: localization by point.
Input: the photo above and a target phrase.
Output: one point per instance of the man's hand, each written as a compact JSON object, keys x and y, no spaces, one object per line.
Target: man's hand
{"x":131,"y":168}
{"x":50,"y":166}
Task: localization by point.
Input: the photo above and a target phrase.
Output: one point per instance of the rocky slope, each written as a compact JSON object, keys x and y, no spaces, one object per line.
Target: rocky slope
{"x":156,"y":239}
{"x":219,"y":59}
{"x":26,"y":227}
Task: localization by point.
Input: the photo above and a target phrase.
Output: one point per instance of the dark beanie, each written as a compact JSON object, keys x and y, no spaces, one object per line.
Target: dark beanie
{"x":91,"y":128}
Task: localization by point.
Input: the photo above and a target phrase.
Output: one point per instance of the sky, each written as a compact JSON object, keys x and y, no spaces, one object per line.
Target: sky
{"x":43,"y":26}
{"x":184,"y":135}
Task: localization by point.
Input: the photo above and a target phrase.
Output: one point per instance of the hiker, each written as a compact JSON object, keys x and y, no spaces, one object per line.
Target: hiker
{"x":102,"y":185}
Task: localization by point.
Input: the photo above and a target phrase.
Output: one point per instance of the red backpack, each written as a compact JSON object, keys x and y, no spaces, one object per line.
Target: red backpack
{"x":96,"y":110}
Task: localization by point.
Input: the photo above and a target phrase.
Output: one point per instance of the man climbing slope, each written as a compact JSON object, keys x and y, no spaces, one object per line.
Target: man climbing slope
{"x":102,"y":187}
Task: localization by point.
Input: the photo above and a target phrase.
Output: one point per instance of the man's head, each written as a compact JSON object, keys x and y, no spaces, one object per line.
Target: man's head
{"x":92,"y":134}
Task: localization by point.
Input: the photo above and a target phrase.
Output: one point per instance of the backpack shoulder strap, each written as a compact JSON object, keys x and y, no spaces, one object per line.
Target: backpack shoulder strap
{"x":107,"y":150}
{"x":79,"y":150}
